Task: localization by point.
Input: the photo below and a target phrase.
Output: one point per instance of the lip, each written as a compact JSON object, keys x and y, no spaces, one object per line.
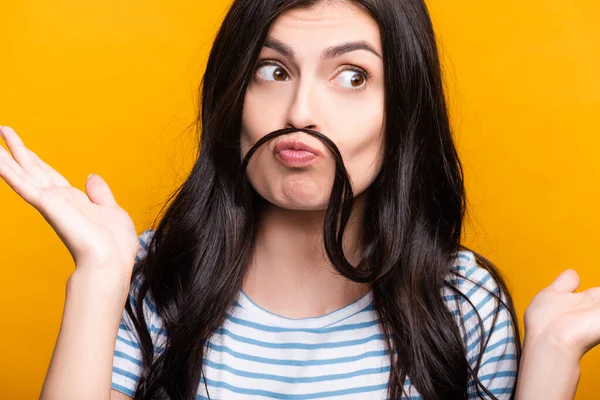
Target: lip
{"x":294,"y":153}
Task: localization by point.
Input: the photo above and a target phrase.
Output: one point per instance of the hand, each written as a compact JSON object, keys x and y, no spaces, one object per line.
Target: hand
{"x":94,"y":228}
{"x":564,"y":319}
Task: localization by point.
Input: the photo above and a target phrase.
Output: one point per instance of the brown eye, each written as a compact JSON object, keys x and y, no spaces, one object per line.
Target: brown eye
{"x":351,"y":79}
{"x":279,"y":74}
{"x":357,"y":80}
{"x":271,"y":72}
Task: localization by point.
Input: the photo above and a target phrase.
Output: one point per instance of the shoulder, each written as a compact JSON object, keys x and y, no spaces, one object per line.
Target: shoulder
{"x":482,"y":311}
{"x":470,"y":278}
{"x":127,"y":359}
{"x":144,"y":238}
{"x":476,"y":299}
{"x":489,"y":333}
{"x":150,"y":312}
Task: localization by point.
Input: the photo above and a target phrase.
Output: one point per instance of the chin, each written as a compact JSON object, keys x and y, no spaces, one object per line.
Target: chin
{"x":297,"y":200}
{"x":305,"y":202}
{"x":296,"y":192}
{"x":302,"y":207}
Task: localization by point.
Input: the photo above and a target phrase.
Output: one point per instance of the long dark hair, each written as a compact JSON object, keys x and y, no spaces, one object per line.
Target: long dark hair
{"x":198,"y":254}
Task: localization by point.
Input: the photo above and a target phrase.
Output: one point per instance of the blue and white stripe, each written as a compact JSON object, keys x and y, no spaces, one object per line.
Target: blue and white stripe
{"x":260,"y":355}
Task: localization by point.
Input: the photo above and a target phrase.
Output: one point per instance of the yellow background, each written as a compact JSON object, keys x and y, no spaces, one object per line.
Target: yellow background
{"x":110,"y":87}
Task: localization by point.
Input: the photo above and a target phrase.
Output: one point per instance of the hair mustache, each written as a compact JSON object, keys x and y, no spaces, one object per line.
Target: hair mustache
{"x":339,"y":207}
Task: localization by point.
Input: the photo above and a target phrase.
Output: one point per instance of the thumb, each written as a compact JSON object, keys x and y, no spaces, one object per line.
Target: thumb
{"x":568,"y":281}
{"x":98,"y":191}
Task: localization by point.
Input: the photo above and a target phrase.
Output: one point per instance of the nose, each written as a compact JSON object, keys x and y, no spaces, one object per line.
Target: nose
{"x":304,"y":108}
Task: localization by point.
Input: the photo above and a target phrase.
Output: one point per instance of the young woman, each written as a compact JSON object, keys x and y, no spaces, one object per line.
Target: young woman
{"x":314,"y":250}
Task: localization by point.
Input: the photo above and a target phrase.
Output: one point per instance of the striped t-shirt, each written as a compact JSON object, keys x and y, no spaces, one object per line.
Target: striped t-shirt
{"x":341,"y":355}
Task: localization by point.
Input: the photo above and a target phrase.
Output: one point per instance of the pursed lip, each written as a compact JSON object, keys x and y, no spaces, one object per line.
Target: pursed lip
{"x":296,"y":154}
{"x":295,"y":145}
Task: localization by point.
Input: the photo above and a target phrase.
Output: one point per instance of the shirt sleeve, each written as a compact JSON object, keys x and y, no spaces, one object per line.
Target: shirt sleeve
{"x":127,"y":359}
{"x":486,"y":327}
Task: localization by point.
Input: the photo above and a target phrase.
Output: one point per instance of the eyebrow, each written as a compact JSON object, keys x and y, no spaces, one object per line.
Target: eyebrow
{"x":328,"y":53}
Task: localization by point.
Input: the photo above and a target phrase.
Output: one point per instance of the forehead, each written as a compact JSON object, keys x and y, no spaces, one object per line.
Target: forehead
{"x":326,"y":24}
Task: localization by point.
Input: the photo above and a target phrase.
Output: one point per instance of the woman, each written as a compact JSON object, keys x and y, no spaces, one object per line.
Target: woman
{"x":327,"y":190}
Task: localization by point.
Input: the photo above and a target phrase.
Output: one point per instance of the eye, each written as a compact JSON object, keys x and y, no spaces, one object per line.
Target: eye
{"x":352,"y":78}
{"x":271,"y":72}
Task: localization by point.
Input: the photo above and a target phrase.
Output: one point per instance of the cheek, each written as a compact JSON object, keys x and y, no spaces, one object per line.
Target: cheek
{"x":263,"y":112}
{"x":306,"y":189}
{"x":361,"y":145}
{"x":251,"y":128}
{"x":355,"y":125}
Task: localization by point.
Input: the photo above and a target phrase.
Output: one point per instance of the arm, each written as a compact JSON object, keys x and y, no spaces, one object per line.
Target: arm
{"x":560,"y":327}
{"x":94,"y":311}
{"x":102,"y":240}
{"x":81,"y":365}
{"x":547,"y":372}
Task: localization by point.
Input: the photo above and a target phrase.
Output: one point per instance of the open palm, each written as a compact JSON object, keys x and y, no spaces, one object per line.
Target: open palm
{"x":569,"y":319}
{"x":92,"y":225}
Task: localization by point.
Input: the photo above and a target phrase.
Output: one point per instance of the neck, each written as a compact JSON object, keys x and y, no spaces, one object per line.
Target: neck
{"x":289,"y":272}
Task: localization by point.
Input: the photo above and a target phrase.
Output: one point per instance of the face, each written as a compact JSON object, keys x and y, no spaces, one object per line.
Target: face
{"x":320,"y":68}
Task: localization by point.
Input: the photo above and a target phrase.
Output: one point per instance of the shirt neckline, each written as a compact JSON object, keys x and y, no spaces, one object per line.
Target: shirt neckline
{"x":321,"y":321}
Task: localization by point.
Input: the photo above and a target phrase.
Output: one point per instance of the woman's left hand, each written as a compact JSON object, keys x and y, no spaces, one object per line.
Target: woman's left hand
{"x":560,"y":327}
{"x":566,"y":320}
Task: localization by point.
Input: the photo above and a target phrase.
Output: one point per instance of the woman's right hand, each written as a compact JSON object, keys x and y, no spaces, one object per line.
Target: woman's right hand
{"x":94,"y":228}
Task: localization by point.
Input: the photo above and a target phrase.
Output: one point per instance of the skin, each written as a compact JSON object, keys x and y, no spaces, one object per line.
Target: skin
{"x":560,"y":324}
{"x":290,"y":273}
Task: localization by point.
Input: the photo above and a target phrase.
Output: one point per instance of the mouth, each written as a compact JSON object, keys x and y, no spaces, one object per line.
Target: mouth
{"x":295,"y":154}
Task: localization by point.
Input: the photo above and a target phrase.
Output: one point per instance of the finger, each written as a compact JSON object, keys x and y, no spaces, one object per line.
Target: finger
{"x":21,"y":154}
{"x":15,"y":177}
{"x":568,"y":281}
{"x":9,"y":163}
{"x":593,"y":294}
{"x":98,"y":191}
{"x":54,"y":177}
{"x":589,"y":322}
